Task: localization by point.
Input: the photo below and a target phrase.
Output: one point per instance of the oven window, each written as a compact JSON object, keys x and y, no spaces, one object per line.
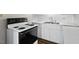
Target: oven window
{"x":27,"y":37}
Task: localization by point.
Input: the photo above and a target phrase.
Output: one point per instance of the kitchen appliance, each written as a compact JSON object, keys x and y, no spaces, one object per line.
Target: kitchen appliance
{"x":20,"y":31}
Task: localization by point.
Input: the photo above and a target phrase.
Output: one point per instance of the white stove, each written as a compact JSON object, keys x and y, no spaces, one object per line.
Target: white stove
{"x":21,"y":32}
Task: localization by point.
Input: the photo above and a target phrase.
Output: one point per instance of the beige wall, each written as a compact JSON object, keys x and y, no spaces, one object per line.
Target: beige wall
{"x":2,"y":30}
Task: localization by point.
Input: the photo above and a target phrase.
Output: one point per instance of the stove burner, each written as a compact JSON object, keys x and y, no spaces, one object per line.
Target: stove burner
{"x":16,"y":26}
{"x":21,"y":28}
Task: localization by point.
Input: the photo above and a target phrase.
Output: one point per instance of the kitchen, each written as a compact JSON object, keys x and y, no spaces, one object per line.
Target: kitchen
{"x":39,"y":29}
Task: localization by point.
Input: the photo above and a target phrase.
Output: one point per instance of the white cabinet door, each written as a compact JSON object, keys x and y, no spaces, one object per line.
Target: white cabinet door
{"x":52,"y":32}
{"x":71,"y":35}
{"x":39,"y":31}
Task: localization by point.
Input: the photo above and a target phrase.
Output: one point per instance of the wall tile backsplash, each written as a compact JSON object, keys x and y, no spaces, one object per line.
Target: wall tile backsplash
{"x":62,"y":18}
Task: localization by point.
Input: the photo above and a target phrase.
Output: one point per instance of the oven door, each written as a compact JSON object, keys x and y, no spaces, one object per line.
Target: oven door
{"x":26,"y":37}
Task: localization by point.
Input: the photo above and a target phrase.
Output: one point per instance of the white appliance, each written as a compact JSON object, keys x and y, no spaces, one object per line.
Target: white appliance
{"x":71,"y":34}
{"x":21,"y":32}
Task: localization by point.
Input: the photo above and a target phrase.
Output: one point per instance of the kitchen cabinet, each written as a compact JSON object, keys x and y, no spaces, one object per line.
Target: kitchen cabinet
{"x":52,"y":32}
{"x":39,"y":30}
{"x":71,"y":35}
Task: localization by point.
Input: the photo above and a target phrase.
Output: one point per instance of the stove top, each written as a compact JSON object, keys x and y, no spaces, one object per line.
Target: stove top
{"x":23,"y":26}
{"x":19,"y":27}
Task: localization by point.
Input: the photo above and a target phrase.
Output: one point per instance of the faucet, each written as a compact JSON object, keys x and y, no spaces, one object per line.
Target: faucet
{"x":51,"y":19}
{"x":55,"y":21}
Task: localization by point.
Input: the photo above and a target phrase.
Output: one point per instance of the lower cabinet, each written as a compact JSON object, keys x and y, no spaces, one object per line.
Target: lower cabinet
{"x":52,"y":32}
{"x":71,"y":35}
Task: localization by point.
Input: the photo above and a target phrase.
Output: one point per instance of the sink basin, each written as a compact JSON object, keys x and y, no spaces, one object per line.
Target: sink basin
{"x":51,"y":23}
